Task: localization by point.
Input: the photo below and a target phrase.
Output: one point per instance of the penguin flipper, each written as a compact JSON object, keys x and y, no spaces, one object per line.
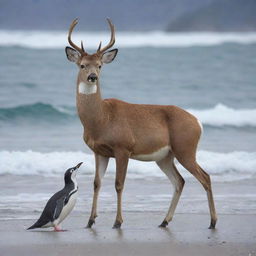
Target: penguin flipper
{"x":58,"y":208}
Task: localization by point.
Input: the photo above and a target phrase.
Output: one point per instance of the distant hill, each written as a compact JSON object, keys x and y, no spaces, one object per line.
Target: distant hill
{"x":221,"y":15}
{"x":126,"y":14}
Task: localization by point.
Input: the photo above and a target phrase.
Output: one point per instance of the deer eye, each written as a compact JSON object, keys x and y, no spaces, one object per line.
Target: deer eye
{"x":82,"y":66}
{"x":99,"y":67}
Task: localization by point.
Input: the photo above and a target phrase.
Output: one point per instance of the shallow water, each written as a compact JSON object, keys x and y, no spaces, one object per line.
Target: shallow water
{"x":24,"y":197}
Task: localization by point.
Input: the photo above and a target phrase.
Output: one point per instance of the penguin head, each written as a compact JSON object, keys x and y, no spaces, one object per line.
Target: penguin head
{"x":70,"y":174}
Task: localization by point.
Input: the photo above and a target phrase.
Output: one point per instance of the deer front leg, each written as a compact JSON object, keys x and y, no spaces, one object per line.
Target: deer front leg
{"x":101,"y":166}
{"x":122,"y":158}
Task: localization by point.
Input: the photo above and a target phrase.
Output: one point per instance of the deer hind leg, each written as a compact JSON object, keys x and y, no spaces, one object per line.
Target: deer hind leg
{"x":122,"y":158}
{"x":101,"y":166}
{"x":204,"y":178}
{"x":168,"y":167}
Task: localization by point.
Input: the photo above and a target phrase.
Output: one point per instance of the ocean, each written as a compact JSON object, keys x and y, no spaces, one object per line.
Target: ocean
{"x":212,"y":75}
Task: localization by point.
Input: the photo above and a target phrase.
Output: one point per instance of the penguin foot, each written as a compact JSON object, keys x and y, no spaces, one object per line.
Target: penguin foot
{"x":164,"y":224}
{"x":90,"y":223}
{"x":58,"y":229}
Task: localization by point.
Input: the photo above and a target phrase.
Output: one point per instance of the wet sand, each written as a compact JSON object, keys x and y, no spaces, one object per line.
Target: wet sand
{"x":145,"y":204}
{"x":186,"y":235}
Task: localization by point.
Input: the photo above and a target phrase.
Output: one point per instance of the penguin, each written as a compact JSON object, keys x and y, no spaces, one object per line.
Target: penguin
{"x":60,"y":204}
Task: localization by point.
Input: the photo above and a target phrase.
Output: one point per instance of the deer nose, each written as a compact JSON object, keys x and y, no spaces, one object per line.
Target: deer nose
{"x":92,"y":77}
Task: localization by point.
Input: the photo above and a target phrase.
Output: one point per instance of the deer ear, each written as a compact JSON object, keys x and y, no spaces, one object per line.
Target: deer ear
{"x":109,"y":56}
{"x":72,"y":54}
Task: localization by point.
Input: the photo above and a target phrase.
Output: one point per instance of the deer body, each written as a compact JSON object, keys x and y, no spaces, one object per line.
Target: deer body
{"x":110,"y":123}
{"x":114,"y":128}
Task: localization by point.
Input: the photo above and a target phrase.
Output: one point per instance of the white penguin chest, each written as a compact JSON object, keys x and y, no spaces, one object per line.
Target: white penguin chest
{"x":68,"y":207}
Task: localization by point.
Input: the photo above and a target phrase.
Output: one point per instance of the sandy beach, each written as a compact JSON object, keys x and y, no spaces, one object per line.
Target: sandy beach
{"x":187,"y":235}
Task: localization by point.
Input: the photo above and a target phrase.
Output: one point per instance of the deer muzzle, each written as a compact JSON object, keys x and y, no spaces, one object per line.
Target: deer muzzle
{"x":92,"y":78}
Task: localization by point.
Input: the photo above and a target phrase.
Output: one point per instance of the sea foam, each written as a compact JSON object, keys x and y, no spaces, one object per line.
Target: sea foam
{"x":58,"y":39}
{"x":222,"y":166}
{"x":221,"y":115}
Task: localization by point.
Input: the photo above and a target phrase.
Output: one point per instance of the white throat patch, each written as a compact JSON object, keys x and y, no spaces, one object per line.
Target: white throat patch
{"x":84,"y":88}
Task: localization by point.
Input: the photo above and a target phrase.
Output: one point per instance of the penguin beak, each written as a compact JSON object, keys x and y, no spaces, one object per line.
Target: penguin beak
{"x":78,"y":165}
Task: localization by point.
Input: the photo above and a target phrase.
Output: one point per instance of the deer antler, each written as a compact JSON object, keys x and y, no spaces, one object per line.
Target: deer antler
{"x":81,"y":50}
{"x":112,"y":39}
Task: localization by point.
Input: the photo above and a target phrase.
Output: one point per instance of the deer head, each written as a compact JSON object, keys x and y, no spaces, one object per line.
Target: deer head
{"x":90,"y":64}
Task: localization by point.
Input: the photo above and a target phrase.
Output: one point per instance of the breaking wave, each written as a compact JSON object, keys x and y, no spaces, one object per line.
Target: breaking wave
{"x":37,"y":111}
{"x":222,"y":166}
{"x":218,"y":116}
{"x":221,"y":115}
{"x":58,"y":39}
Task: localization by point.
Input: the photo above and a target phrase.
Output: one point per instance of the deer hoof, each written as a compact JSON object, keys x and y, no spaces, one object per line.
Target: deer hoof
{"x":164,"y":224}
{"x":90,"y":223}
{"x":212,"y":225}
{"x":117,"y":225}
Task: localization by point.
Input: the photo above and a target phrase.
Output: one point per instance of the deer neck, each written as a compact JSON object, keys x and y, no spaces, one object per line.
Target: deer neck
{"x":89,"y":105}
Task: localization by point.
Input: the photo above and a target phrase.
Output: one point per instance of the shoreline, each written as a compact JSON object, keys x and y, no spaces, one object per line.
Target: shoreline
{"x":145,"y":203}
{"x":187,"y":234}
{"x":24,"y":197}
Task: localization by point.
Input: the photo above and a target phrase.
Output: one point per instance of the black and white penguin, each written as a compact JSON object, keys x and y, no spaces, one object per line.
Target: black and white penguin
{"x":60,"y":204}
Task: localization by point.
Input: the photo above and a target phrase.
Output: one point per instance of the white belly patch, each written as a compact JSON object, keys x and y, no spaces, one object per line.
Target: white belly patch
{"x":155,"y":156}
{"x":66,"y":209}
{"x":84,"y":88}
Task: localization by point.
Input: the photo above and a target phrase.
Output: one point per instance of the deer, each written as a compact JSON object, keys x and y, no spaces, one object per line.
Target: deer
{"x":123,"y":131}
